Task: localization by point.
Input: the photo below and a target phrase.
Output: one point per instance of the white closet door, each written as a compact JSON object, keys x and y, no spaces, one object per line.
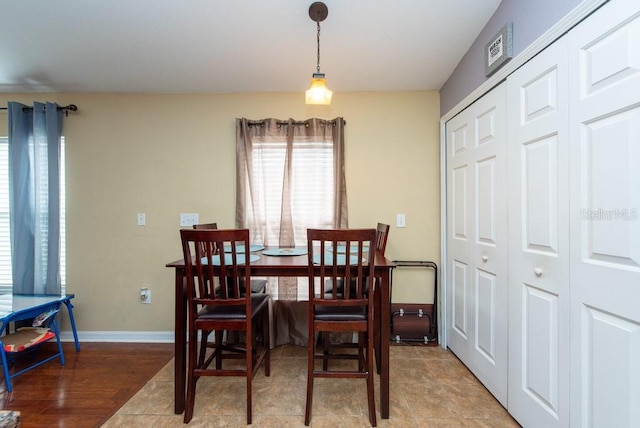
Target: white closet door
{"x":605,"y":212}
{"x":538,"y":174}
{"x":477,"y":298}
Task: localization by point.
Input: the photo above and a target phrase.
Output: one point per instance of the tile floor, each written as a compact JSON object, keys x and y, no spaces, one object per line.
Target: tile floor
{"x":430,"y":387}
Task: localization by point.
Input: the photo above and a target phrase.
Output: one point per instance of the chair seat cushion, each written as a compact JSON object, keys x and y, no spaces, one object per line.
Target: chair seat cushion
{"x":234,"y":312}
{"x":340,"y":313}
{"x":26,"y":337}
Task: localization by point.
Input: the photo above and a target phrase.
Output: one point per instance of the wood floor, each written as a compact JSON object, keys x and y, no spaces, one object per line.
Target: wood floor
{"x":93,"y":384}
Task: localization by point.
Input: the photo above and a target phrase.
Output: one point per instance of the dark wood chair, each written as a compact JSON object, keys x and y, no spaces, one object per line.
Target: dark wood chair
{"x":257,"y":286}
{"x":382,"y":233}
{"x":216,"y":303}
{"x":348,"y":311}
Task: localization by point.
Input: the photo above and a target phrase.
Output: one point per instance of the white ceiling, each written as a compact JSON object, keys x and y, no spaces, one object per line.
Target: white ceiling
{"x":218,"y":46}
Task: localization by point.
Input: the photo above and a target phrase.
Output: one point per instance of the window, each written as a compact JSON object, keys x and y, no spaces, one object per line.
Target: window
{"x":6,"y":281}
{"x":312,"y":187}
{"x":290,"y":178}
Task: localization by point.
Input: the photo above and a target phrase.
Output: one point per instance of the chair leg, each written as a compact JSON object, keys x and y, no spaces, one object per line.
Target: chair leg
{"x":250,"y":339}
{"x":249,"y":375}
{"x":377,"y":304}
{"x":310,"y":363}
{"x":371,"y":399}
{"x":203,"y":346}
{"x":370,"y":391}
{"x":191,"y":379}
{"x":325,"y":350}
{"x":362,"y":341}
{"x":218,"y":348}
{"x":266,"y":341}
{"x":190,"y":400}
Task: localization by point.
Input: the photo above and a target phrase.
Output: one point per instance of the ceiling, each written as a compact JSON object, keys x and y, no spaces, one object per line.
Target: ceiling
{"x":225,"y":46}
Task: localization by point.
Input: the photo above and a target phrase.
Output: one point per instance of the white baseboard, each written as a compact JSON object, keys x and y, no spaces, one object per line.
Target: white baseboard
{"x":120,"y":336}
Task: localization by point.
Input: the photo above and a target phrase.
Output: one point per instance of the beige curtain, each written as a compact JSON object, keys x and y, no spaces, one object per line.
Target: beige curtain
{"x":252,"y":137}
{"x":250,"y":132}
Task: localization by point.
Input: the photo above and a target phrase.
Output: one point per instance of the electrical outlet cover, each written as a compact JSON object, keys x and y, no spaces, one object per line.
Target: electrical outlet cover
{"x":188,"y":219}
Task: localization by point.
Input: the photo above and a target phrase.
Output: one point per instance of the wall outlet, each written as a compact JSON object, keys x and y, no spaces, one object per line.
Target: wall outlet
{"x":145,"y":295}
{"x":188,"y":219}
{"x":401,"y":221}
{"x":142,"y":219}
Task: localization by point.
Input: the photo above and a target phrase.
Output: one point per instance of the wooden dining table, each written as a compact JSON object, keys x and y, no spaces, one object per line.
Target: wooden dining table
{"x":285,"y":266}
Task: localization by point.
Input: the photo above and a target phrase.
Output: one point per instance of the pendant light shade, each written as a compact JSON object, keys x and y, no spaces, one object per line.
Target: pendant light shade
{"x":318,"y":93}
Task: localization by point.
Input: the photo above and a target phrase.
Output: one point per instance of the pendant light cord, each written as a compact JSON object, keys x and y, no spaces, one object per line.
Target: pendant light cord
{"x":318,"y":60}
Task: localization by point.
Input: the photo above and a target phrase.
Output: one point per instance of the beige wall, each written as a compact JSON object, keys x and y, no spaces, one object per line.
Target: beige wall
{"x":167,"y":154}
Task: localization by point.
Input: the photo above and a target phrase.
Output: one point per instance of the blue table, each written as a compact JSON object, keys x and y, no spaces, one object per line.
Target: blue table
{"x":12,"y":304}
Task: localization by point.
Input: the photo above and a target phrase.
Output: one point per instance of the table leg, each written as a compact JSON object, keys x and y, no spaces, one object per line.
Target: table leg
{"x":377,"y":323}
{"x":67,"y":303}
{"x":180,"y":342}
{"x":385,"y":309}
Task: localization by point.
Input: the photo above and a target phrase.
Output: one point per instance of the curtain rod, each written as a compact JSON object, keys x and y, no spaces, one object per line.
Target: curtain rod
{"x":295,"y":122}
{"x":67,"y":109}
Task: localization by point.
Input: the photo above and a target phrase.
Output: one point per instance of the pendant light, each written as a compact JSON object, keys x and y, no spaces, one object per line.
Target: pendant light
{"x":318,"y":92}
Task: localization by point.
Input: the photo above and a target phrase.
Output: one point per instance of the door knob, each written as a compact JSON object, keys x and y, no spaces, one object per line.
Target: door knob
{"x":538,"y":271}
{"x":485,"y":258}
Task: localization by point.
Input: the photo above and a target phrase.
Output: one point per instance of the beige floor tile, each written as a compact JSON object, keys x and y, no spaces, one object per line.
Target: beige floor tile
{"x":165,"y":374}
{"x":450,"y":371}
{"x":155,"y":398}
{"x":126,"y":421}
{"x":440,"y":422}
{"x":398,"y":422}
{"x":411,"y":371}
{"x":286,"y":368}
{"x":429,"y":387}
{"x":473,"y":401}
{"x":320,"y":421}
{"x":279,"y":421}
{"x":340,"y":397}
{"x":279,"y":398}
{"x":421,"y":352}
{"x":220,"y":396}
{"x":427,"y":400}
{"x":490,"y":423}
{"x":292,"y":351}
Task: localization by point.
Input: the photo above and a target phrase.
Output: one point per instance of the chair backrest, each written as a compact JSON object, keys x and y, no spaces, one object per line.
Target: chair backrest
{"x":329,"y":251}
{"x":215,"y":277}
{"x":382,"y":233}
{"x":206,"y":226}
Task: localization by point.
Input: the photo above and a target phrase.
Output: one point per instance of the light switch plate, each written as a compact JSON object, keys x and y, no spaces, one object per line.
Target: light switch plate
{"x":400,"y":220}
{"x":188,"y":219}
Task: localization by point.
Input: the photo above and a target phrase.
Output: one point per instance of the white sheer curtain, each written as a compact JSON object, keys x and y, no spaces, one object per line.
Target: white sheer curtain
{"x":290,"y":177}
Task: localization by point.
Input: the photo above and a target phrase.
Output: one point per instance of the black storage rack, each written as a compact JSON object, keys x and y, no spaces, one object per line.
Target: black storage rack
{"x":432,"y":334}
